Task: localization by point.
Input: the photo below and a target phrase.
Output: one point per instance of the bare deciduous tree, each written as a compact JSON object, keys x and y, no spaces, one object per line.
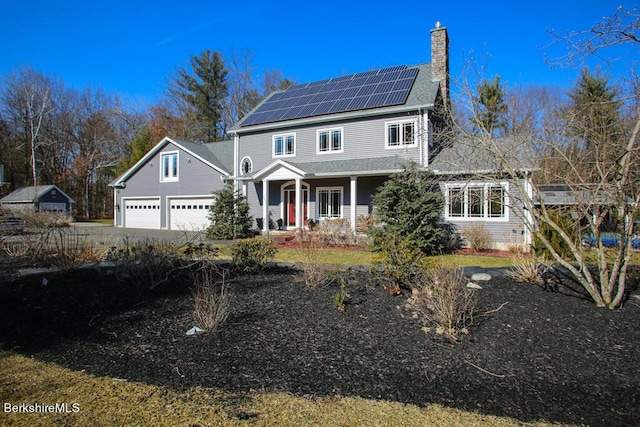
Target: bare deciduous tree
{"x":594,"y":171}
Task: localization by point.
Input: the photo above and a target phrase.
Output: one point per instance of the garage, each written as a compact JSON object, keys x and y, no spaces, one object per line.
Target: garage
{"x":142,"y":213}
{"x":189,"y":213}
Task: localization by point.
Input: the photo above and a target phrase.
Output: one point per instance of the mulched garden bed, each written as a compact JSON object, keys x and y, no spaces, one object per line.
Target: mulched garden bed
{"x":542,"y":356}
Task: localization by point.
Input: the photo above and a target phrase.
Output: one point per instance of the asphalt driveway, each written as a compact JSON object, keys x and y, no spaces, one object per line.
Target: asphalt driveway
{"x":112,"y":235}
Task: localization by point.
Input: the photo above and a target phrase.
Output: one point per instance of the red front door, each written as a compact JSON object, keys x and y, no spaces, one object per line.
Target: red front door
{"x":290,"y":207}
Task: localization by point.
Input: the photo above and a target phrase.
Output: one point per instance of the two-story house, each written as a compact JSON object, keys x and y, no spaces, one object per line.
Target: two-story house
{"x":317,"y":150}
{"x":320,"y":150}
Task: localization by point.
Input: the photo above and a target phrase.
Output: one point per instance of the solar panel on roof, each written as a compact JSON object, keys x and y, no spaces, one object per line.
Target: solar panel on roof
{"x":397,"y":97}
{"x":376,"y":100}
{"x":358,"y":102}
{"x":370,"y":89}
{"x":402,"y":84}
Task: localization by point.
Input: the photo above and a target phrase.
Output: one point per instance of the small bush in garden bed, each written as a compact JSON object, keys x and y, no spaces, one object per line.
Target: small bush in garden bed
{"x":147,"y":263}
{"x":314,"y":272}
{"x":252,"y":255}
{"x":399,"y":260}
{"x":210,"y":297}
{"x":442,"y":302}
{"x":477,"y":237}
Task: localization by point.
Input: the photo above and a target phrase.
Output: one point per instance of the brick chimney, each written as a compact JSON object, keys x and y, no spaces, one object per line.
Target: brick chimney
{"x":440,"y":60}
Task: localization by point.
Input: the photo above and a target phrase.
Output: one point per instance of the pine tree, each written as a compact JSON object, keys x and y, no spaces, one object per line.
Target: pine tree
{"x":140,"y":145}
{"x":229,"y":215}
{"x":594,"y":110}
{"x":204,"y":90}
{"x":492,"y":107}
{"x":409,"y":206}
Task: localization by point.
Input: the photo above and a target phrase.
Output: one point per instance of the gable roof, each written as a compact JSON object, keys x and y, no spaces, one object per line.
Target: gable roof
{"x":380,"y":91}
{"x":471,"y":156}
{"x":26,"y":194}
{"x":218,"y":155}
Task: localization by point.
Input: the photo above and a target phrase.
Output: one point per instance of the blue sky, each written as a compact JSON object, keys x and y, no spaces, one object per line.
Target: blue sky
{"x":131,"y":48}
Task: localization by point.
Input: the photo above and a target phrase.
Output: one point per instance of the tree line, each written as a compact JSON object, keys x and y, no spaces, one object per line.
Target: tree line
{"x":81,"y":139}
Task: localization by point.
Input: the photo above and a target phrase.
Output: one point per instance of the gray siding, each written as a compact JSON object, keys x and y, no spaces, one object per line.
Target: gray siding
{"x":362,"y":138}
{"x":195,"y":178}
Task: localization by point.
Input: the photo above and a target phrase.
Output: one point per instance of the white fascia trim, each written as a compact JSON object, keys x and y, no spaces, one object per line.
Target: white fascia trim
{"x":153,"y":152}
{"x":357,"y":173}
{"x":278,"y":163}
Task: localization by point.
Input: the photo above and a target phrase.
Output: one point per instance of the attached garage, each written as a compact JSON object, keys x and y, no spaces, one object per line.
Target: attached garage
{"x":189,"y":213}
{"x":142,"y":213}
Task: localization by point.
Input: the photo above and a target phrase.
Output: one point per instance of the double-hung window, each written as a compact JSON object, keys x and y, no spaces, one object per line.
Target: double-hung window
{"x":330,"y":140}
{"x":330,"y":202}
{"x":169,"y":166}
{"x":477,"y":201}
{"x":400,"y":134}
{"x":284,"y":145}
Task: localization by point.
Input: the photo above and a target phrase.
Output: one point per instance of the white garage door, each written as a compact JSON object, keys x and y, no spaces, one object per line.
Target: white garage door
{"x":142,"y":213}
{"x":189,"y":213}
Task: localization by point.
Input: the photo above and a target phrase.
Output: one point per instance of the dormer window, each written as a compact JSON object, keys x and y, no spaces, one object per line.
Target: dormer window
{"x":169,"y":167}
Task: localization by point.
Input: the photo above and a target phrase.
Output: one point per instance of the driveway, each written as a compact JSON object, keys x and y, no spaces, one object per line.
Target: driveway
{"x":112,"y":235}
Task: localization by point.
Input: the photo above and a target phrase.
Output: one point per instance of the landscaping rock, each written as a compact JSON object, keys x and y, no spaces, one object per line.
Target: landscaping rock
{"x":480,"y":277}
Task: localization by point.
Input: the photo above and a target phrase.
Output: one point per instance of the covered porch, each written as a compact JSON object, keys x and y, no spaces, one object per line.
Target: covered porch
{"x":295,"y":194}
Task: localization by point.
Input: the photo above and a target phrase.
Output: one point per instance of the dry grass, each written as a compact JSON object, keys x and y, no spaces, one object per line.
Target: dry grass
{"x":526,"y":270}
{"x":104,"y":401}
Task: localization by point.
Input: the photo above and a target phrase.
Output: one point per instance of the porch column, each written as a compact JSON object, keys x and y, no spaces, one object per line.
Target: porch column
{"x":265,"y":205}
{"x":353,"y":192}
{"x":299,"y":219}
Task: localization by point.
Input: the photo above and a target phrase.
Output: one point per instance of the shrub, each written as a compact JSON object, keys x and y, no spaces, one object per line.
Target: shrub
{"x":409,"y":205}
{"x":365,"y":223}
{"x":557,"y":243}
{"x":211,"y":298}
{"x":314,"y":273}
{"x":147,"y":263}
{"x":229,"y":215}
{"x":335,"y":232}
{"x":477,"y":237}
{"x":442,"y":302}
{"x":251,"y":255}
{"x":398,"y":260}
{"x":526,"y":270}
{"x":70,"y":249}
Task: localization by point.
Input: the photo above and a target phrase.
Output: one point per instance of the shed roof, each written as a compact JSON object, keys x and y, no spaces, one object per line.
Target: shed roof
{"x":31,"y":194}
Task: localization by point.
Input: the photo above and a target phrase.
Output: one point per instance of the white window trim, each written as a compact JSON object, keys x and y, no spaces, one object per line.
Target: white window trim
{"x":283,"y":136}
{"x":169,"y":178}
{"x":486,"y":186}
{"x":330,"y":150}
{"x":318,"y":190}
{"x":400,"y":122}
{"x":248,"y":159}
